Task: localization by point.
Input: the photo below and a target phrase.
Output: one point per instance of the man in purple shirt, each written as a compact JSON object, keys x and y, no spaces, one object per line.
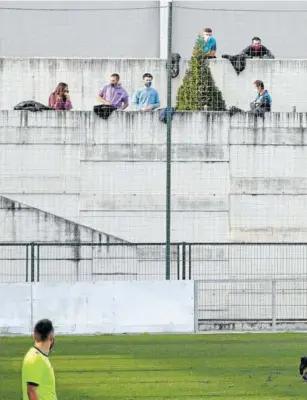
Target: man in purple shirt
{"x":114,"y":94}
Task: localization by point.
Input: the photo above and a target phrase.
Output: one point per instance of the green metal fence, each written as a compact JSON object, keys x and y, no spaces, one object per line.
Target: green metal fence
{"x":45,"y":262}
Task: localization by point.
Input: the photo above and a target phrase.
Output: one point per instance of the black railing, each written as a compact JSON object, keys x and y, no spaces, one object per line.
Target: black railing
{"x":43,"y":262}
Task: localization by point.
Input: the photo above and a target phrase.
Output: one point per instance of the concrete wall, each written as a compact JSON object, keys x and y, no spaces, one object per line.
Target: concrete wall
{"x":22,"y":225}
{"x":113,"y":32}
{"x":35,"y":78}
{"x":85,"y":29}
{"x":152,"y":307}
{"x":233,"y":179}
{"x":102,"y":307}
{"x":235,"y":23}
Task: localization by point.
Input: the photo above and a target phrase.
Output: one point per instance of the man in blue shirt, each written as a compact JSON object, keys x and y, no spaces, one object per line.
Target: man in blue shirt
{"x":146,"y":98}
{"x":263,"y":100}
{"x":208,"y":43}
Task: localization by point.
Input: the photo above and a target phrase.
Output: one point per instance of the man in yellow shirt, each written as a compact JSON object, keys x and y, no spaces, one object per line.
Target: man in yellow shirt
{"x":38,"y":382}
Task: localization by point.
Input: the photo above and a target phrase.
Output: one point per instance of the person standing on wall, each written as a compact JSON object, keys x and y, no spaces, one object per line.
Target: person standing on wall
{"x":208,"y":43}
{"x":146,"y":98}
{"x":60,"y":99}
{"x":38,"y":381}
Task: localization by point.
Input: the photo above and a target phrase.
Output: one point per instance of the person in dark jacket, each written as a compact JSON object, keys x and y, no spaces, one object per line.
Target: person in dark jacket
{"x":263,"y":100}
{"x":257,"y":50}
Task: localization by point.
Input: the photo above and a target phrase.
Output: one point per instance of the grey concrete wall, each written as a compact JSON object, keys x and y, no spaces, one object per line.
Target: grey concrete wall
{"x":35,"y":78}
{"x":113,"y":32}
{"x":235,"y":23}
{"x":22,"y":224}
{"x":81,"y":29}
{"x":232,"y":179}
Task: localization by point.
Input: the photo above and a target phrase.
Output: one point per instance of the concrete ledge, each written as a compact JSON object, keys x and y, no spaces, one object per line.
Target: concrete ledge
{"x":35,"y":78}
{"x":253,"y":325}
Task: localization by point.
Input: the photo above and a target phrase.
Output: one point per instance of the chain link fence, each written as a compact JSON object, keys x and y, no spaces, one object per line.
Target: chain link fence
{"x":258,"y":304}
{"x":237,"y":286}
{"x":45,"y":262}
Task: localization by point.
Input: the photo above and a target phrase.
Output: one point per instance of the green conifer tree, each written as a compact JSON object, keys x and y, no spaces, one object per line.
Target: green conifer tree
{"x":198,"y":88}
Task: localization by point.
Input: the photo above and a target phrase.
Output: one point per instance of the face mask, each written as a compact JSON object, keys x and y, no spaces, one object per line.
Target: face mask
{"x":147,"y":84}
{"x":113,"y":84}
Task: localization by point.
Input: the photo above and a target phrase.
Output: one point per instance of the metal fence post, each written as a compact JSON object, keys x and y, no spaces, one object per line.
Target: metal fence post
{"x":274,"y":306}
{"x":32,"y":274}
{"x":178,"y":262}
{"x":190,"y":261}
{"x":37,"y":266}
{"x":196,"y":287}
{"x":183,"y":261}
{"x":27,"y":263}
{"x":169,"y":144}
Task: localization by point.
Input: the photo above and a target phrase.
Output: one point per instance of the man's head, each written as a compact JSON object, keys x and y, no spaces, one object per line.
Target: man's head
{"x":114,"y":79}
{"x":44,"y":333}
{"x":259,"y":86}
{"x":147,"y":78}
{"x":207,"y":33}
{"x":256,"y":43}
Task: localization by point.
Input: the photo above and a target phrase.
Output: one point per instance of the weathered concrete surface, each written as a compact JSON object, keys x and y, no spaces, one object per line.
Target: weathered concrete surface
{"x":131,"y":28}
{"x":35,"y":78}
{"x":101,"y":259}
{"x":23,"y":223}
{"x":233,"y":179}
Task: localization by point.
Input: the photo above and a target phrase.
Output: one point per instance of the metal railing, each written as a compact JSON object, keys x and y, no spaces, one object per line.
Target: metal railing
{"x":242,"y":287}
{"x":245,"y":305}
{"x":42,"y":262}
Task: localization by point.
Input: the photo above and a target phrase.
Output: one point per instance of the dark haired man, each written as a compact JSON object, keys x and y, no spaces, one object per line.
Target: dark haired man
{"x":263,"y":100}
{"x":38,"y":382}
{"x":146,"y":98}
{"x":208,"y":43}
{"x":113,"y":94}
{"x":257,"y":50}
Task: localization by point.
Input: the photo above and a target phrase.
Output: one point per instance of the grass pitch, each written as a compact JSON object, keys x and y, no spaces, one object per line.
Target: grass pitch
{"x":236,"y":367}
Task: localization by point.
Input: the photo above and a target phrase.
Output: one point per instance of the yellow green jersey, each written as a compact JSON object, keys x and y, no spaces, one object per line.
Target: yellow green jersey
{"x":37,"y":370}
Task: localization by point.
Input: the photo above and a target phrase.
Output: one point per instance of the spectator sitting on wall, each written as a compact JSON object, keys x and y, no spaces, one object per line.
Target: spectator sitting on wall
{"x":60,"y":99}
{"x":146,"y":98}
{"x":208,"y":43}
{"x":114,"y":95}
{"x":257,"y":50}
{"x":263,"y":100}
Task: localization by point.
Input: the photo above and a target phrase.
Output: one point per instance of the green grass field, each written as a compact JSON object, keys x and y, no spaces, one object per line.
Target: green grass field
{"x":237,"y":367}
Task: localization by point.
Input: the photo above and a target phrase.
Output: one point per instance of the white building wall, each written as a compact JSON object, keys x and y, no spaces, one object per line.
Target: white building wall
{"x":233,"y":179}
{"x":35,"y":78}
{"x":134,"y":29}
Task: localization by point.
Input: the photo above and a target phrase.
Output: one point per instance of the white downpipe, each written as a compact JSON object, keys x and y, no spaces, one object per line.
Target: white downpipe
{"x":163,"y":29}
